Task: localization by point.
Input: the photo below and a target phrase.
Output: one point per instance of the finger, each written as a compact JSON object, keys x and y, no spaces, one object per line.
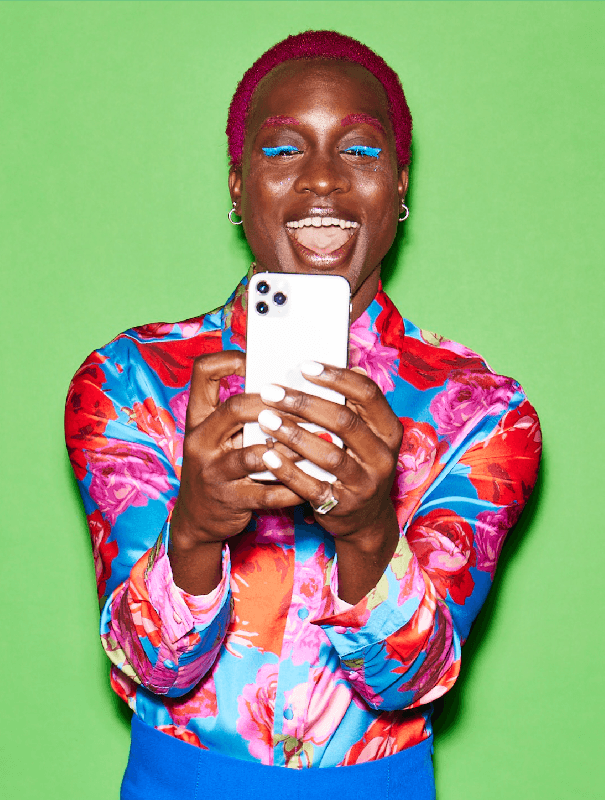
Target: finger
{"x":311,"y":446}
{"x":338,"y":419}
{"x":363,"y":394}
{"x":206,"y":374}
{"x":297,"y":481}
{"x":249,"y":495}
{"x":226,"y":420}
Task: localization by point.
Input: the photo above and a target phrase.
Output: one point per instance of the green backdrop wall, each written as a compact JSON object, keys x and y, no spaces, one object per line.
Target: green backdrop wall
{"x":114,"y":212}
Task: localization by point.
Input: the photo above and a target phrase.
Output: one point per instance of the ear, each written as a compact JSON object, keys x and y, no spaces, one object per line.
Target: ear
{"x":402,"y":183}
{"x":235,"y":186}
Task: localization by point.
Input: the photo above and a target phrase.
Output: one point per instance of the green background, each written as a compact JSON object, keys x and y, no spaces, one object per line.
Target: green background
{"x":114,"y":212}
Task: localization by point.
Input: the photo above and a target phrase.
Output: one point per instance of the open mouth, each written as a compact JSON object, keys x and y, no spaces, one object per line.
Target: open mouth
{"x":322,"y":235}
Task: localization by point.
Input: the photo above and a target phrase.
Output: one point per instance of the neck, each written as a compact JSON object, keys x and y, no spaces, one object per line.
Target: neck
{"x":365,"y":294}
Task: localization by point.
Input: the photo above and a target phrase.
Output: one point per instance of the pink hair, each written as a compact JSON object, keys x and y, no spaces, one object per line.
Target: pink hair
{"x":320,"y":44}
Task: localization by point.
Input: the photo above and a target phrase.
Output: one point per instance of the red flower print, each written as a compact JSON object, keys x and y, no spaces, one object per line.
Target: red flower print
{"x":172,"y":360}
{"x":387,"y":735}
{"x":87,"y":412}
{"x":200,"y":702}
{"x":104,"y":552}
{"x":423,"y":365}
{"x":159,"y":424}
{"x":260,"y":574}
{"x":516,"y":440}
{"x":179,"y":732}
{"x":443,"y":544}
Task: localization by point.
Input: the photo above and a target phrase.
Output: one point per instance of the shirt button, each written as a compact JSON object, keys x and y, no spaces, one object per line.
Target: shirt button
{"x":288,"y":713}
{"x":169,"y":664}
{"x":303,"y":613}
{"x":177,"y":619}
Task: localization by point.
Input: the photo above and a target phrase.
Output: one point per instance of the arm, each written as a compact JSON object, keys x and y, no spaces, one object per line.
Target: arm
{"x":126,"y":451}
{"x":443,"y":569}
{"x":400,"y":643}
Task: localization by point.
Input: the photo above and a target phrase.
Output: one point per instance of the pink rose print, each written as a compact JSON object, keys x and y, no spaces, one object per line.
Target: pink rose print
{"x":367,"y":351}
{"x":310,"y":598}
{"x":492,"y":527}
{"x":191,"y":327}
{"x":256,"y":706}
{"x":178,"y":406}
{"x":232,"y":384}
{"x":274,"y":527}
{"x":314,"y":710}
{"x":418,"y":463}
{"x":416,"y":456}
{"x":155,"y":330}
{"x":125,"y":475}
{"x":467,"y":398}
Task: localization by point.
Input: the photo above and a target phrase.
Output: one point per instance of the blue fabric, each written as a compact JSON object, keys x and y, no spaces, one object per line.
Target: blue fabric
{"x":161,"y":767}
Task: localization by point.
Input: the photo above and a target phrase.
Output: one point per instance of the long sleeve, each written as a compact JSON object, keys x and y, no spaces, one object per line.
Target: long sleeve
{"x":400,"y":646}
{"x":124,"y":439}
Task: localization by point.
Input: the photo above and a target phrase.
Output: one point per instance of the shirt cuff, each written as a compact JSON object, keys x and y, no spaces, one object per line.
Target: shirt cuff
{"x":180,"y":612}
{"x":387,"y":608}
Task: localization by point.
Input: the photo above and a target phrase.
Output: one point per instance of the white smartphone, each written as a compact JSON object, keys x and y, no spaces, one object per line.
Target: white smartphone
{"x":294,"y":318}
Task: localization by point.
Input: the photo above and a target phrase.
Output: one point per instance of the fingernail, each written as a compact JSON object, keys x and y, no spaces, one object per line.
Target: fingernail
{"x":272,"y":393}
{"x":311,"y":368}
{"x":271,"y":459}
{"x":269,"y":420}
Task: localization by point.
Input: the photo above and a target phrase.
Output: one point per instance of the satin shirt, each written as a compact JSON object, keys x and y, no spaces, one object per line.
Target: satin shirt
{"x":272,"y":666}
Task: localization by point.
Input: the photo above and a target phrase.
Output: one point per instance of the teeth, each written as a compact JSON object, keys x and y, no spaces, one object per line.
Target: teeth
{"x":319,"y":222}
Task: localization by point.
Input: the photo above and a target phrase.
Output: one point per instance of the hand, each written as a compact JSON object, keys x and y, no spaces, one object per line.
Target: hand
{"x":216,"y":497}
{"x":364,"y":470}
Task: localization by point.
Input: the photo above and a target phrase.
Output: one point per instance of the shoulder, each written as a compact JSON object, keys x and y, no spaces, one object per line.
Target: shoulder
{"x":164,"y":349}
{"x":428,"y":360}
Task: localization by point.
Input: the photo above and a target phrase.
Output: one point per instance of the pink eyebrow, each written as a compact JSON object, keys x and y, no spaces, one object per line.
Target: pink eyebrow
{"x":279,"y":120}
{"x":352,"y":119}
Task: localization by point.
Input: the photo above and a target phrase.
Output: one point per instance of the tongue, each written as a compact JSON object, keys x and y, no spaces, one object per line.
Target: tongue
{"x":324,"y":239}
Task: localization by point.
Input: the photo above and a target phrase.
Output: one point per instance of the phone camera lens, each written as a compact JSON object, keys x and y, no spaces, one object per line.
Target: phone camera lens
{"x":262,"y":307}
{"x":279,"y":298}
{"x":262,"y":287}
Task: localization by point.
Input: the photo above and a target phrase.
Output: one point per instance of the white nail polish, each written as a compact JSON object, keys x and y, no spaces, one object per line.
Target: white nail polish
{"x":269,"y":420}
{"x":272,"y":394}
{"x":271,"y":459}
{"x":311,"y":368}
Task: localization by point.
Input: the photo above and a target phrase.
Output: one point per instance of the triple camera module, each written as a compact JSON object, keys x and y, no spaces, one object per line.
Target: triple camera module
{"x":279,"y":298}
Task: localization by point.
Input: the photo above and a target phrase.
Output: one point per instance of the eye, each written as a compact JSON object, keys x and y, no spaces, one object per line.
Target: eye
{"x":281,"y":150}
{"x":363,"y":150}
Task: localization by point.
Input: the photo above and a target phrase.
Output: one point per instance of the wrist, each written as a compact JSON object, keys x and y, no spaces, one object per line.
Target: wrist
{"x":375,"y":536}
{"x":185,"y":534}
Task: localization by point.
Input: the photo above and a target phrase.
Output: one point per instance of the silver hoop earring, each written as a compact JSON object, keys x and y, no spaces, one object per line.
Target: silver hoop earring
{"x":233,"y":211}
{"x":407,"y":212}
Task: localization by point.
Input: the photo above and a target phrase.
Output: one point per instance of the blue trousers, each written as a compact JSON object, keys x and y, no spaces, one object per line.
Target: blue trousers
{"x":161,"y":767}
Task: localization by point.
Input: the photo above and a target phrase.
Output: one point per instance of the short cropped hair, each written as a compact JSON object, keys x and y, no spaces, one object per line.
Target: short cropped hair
{"x":328,"y":45}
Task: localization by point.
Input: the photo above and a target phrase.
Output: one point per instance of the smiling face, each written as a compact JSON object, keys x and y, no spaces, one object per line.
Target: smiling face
{"x":319,"y":189}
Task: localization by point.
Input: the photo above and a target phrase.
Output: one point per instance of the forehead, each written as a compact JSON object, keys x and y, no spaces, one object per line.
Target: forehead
{"x":299,"y":88}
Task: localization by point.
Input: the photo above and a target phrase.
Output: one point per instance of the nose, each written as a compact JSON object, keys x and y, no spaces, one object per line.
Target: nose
{"x":322,"y":174}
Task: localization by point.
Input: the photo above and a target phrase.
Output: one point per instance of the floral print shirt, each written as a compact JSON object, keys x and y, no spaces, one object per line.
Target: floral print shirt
{"x":272,"y":666}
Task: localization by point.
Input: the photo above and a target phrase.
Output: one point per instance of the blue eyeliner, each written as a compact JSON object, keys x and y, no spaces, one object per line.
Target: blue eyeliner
{"x":362,"y":150}
{"x":282,"y":150}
